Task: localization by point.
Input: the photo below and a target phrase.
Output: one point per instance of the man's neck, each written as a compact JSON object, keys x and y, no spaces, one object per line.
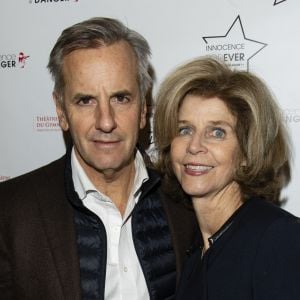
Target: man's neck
{"x":117,"y":187}
{"x":116,"y":184}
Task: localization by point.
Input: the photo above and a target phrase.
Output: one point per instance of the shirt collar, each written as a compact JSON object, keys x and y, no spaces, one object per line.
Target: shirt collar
{"x":141,"y":175}
{"x":84,"y":186}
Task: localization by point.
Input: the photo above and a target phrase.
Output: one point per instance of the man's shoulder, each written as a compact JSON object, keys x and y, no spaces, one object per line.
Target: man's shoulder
{"x":40,"y":176}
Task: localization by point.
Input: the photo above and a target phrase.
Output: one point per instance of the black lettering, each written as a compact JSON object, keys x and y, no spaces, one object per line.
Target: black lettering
{"x":8,"y":63}
{"x":224,"y":47}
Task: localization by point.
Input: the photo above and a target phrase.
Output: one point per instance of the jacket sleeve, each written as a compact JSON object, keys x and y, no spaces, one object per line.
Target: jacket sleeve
{"x":5,"y":273}
{"x":276,"y":273}
{"x":6,"y":285}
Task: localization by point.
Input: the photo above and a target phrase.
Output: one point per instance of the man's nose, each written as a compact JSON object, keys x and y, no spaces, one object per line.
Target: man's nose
{"x":105,"y":117}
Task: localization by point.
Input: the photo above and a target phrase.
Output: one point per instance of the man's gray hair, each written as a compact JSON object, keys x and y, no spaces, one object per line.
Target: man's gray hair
{"x":94,"y":33}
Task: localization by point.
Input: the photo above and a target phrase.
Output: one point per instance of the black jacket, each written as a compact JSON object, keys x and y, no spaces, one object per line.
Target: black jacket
{"x":255,"y":255}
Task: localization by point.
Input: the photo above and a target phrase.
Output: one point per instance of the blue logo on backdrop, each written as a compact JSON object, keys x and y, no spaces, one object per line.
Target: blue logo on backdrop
{"x":234,"y":48}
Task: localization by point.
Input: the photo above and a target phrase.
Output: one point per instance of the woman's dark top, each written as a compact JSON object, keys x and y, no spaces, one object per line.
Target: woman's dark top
{"x":255,"y":255}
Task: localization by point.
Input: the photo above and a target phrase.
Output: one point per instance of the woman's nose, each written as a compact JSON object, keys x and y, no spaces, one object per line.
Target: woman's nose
{"x":197,"y":144}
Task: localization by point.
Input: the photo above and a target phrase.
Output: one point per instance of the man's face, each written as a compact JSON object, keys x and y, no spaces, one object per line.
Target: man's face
{"x":102,"y":107}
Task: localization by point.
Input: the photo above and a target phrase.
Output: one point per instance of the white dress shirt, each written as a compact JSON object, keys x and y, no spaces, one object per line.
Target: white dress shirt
{"x":124,"y":276}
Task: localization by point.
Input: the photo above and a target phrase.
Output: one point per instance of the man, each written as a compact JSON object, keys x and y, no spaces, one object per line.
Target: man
{"x":94,"y":224}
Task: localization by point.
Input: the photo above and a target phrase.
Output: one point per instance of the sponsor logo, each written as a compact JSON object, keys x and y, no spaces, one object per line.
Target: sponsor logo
{"x":22,"y":59}
{"x":234,"y":48}
{"x":13,"y":60}
{"x":278,"y":2}
{"x":46,"y":123}
{"x":50,"y":1}
{"x":4,"y":178}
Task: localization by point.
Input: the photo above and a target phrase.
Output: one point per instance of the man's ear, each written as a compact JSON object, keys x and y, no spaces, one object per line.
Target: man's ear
{"x":60,"y":111}
{"x":143,"y":115}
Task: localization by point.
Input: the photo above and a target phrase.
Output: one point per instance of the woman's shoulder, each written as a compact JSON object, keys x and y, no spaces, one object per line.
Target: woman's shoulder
{"x":283,"y":228}
{"x":263,"y":211}
{"x":277,"y":263}
{"x":277,"y":226}
{"x":266,"y":223}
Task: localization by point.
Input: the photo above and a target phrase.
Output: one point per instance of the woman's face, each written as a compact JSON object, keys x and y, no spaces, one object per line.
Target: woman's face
{"x":205,"y":150}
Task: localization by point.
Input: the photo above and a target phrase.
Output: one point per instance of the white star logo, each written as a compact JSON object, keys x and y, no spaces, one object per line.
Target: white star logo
{"x":234,"y":48}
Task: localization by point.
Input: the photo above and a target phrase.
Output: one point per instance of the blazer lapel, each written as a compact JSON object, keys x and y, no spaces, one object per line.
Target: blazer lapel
{"x":183,"y":226}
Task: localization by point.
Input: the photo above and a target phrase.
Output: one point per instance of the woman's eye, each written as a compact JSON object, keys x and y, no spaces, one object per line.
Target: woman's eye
{"x":184,"y":131}
{"x":218,"y":133}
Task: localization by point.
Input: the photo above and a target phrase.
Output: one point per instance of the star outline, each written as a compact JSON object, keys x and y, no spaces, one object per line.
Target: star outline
{"x":276,"y":2}
{"x":238,"y":18}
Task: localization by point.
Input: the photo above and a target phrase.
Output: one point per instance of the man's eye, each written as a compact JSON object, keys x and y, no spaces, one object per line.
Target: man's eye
{"x":85,"y":101}
{"x":218,"y":133}
{"x":121,"y":98}
{"x":184,"y":131}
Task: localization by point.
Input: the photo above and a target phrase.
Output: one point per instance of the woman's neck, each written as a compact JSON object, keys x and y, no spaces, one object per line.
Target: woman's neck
{"x":214,"y":210}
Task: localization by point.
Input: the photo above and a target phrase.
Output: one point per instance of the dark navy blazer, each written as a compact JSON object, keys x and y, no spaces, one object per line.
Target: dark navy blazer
{"x":255,"y":255}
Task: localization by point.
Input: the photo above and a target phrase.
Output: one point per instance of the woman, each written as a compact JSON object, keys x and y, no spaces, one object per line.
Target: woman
{"x":220,"y":136}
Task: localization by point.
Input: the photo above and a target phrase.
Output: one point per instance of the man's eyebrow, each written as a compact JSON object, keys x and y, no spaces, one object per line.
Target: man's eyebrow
{"x":121,"y":93}
{"x":81,"y":96}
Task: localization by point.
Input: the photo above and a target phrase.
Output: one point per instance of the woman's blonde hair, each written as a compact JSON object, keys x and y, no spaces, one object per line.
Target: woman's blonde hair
{"x":263,"y":167}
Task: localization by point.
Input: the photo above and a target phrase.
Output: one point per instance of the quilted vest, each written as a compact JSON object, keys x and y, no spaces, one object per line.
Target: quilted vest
{"x":151,"y":236}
